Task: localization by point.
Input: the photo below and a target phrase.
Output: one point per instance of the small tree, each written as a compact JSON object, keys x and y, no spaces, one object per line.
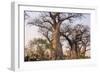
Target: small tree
{"x":37,"y":49}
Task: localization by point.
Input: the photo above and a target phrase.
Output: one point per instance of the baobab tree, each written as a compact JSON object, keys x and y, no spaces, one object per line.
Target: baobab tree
{"x":78,"y":37}
{"x":51,"y":25}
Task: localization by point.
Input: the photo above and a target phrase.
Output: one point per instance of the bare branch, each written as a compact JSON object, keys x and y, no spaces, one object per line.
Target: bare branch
{"x":68,"y":39}
{"x":47,"y":36}
{"x":53,"y":17}
{"x":47,"y":21}
{"x":70,"y":16}
{"x":66,"y":18}
{"x":40,"y":24}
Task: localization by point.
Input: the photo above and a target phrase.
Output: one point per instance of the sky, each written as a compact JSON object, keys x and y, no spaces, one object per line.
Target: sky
{"x":31,"y":32}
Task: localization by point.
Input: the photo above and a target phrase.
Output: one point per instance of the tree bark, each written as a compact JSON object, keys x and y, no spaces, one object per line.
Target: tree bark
{"x":74,"y":52}
{"x":83,"y":51}
{"x":73,"y":46}
{"x":56,"y":43}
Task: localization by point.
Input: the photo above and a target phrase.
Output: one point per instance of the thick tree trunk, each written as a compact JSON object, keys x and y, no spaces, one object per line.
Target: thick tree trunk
{"x":83,"y":50}
{"x":73,"y":45}
{"x":56,"y":43}
{"x":74,"y":54}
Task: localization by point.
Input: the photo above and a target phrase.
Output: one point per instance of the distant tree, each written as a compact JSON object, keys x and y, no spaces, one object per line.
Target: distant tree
{"x":78,"y":38}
